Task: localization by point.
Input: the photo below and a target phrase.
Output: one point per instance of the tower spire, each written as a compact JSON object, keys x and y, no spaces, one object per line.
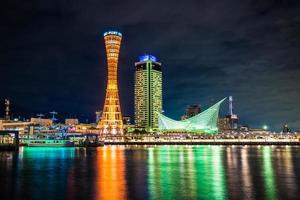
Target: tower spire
{"x":7,"y":109}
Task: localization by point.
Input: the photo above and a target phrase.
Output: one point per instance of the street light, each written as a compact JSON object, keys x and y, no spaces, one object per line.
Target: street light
{"x":265,"y":127}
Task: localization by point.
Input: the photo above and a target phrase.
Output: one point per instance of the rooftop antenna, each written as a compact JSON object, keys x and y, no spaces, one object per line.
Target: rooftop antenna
{"x":40,"y":120}
{"x":53,"y":113}
{"x":40,"y":115}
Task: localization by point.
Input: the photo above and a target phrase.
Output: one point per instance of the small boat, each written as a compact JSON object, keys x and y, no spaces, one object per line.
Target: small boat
{"x":49,"y":143}
{"x":94,"y":144}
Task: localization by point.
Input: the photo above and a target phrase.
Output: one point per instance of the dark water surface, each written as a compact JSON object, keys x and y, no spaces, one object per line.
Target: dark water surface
{"x":152,"y":172}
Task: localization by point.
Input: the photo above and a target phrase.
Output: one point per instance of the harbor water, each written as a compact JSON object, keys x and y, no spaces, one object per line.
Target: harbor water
{"x":152,"y":172}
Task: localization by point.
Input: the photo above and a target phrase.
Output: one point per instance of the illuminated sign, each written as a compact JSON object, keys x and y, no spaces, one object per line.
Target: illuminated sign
{"x":112,"y":33}
{"x":147,"y":58}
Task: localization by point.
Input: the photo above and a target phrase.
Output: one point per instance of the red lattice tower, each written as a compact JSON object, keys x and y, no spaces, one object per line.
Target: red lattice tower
{"x":111,"y":119}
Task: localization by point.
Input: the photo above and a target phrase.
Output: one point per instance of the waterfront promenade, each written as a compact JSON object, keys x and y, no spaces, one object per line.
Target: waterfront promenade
{"x":206,"y":142}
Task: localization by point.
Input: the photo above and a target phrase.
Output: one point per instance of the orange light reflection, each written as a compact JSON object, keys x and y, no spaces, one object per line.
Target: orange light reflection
{"x":110,"y":180}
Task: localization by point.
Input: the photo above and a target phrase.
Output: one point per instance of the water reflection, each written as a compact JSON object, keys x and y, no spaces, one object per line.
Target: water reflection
{"x":186,"y":173}
{"x":268,"y":174}
{"x":151,"y":172}
{"x":288,"y":172}
{"x":40,"y":169}
{"x":247,"y":185}
{"x":110,"y":179}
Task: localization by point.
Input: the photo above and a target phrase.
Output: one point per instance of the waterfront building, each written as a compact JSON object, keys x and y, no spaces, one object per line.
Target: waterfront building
{"x":71,"y":121}
{"x":85,"y":128}
{"x":148,"y":92}
{"x":9,"y":139}
{"x":111,"y":120}
{"x":41,"y":122}
{"x":20,"y":126}
{"x":205,"y":122}
{"x":223,"y":124}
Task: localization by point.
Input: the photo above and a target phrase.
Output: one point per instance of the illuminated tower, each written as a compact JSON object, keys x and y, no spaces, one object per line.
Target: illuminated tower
{"x":7,"y":109}
{"x":111,"y":120}
{"x":233,"y":118}
{"x":147,"y":92}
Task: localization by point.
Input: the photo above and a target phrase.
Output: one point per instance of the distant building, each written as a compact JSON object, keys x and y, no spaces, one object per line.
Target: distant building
{"x":233,"y":121}
{"x":71,"y":121}
{"x":191,"y":111}
{"x":148,"y":92}
{"x":126,"y":120}
{"x":98,"y":116}
{"x":128,"y":126}
{"x":286,"y":129}
{"x":41,"y":121}
{"x":223,"y":124}
{"x":233,"y":118}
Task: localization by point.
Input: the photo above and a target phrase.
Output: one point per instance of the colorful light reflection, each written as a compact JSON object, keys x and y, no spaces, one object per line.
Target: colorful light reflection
{"x":110,"y":178}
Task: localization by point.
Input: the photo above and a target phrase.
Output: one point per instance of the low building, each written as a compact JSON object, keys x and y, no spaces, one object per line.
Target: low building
{"x":71,"y":121}
{"x":41,"y":122}
{"x":85,"y":128}
{"x":9,"y":140}
{"x":126,"y":120}
{"x":98,"y":116}
{"x":21,"y":126}
{"x":191,"y":111}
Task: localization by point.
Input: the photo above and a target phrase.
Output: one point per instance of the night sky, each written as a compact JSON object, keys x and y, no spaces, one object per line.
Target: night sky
{"x":52,"y":55}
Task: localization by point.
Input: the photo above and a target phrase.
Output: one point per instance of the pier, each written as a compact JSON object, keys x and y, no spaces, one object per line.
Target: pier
{"x":167,"y":141}
{"x":202,"y":142}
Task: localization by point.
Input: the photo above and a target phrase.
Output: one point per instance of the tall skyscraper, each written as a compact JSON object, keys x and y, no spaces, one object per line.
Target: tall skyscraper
{"x":148,"y":92}
{"x":111,"y":120}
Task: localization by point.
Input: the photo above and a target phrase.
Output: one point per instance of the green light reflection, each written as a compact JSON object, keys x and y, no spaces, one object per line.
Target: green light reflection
{"x":186,"y":172}
{"x":47,"y":152}
{"x":268,"y":174}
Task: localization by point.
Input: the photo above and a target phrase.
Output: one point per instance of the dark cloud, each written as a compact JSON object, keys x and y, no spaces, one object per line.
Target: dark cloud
{"x":52,"y":55}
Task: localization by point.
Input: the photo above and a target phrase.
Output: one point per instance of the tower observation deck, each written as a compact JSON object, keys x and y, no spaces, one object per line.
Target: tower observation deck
{"x":111,"y":120}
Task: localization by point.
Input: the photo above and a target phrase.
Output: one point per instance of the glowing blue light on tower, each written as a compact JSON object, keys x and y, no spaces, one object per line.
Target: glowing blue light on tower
{"x":112,"y":33}
{"x":147,"y":57}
